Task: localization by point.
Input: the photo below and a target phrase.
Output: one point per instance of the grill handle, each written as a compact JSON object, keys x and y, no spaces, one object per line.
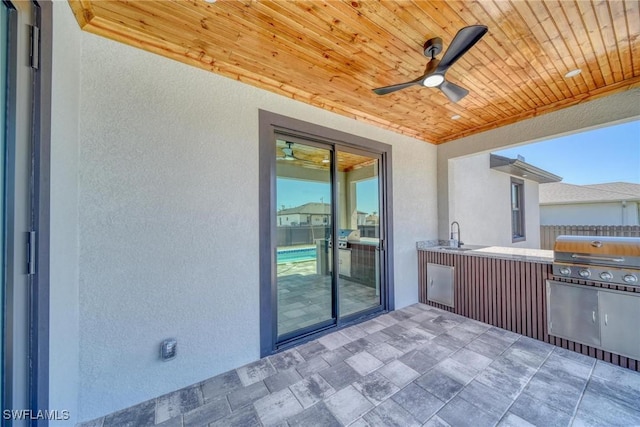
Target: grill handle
{"x":597,"y":258}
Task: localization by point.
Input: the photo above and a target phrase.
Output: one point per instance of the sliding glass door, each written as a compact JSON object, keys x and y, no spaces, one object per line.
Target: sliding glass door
{"x":328,"y":228}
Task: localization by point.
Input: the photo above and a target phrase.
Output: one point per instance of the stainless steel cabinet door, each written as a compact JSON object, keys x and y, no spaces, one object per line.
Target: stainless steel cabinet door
{"x":572,"y":312}
{"x":440,"y":287}
{"x":620,"y":320}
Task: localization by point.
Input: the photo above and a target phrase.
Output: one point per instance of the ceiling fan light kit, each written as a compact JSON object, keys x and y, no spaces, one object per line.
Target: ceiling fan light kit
{"x":434,"y":75}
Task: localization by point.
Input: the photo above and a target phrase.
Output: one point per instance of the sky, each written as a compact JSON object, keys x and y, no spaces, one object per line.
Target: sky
{"x":607,"y":154}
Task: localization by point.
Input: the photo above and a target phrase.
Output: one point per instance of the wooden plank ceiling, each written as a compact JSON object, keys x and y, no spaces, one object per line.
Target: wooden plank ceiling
{"x":331,"y":54}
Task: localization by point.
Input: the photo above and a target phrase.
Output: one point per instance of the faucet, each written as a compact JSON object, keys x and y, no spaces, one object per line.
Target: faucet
{"x":457,"y":242}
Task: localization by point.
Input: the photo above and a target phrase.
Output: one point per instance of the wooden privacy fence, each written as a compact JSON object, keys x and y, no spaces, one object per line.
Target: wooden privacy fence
{"x":548,"y":233}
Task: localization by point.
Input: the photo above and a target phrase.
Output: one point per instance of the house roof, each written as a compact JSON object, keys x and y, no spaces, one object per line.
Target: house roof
{"x":561,"y":193}
{"x":522,"y":169}
{"x":308,"y":209}
{"x":331,"y":54}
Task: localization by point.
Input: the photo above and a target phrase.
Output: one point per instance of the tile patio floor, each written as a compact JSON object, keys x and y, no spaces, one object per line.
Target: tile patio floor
{"x":412,"y":367}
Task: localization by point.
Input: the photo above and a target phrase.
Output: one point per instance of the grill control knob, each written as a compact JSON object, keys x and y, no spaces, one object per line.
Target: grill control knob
{"x":584,"y":273}
{"x":605,"y":275}
{"x":630,"y":278}
{"x":565,"y":271}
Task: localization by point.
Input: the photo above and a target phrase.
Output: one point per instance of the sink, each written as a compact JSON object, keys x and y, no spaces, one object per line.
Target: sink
{"x":454,"y":248}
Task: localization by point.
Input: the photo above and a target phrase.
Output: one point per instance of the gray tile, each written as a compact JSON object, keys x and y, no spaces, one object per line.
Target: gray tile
{"x":462,"y":334}
{"x":446,"y":321}
{"x":386,"y":320}
{"x":439,"y":384}
{"x":503,"y":334}
{"x":485,"y":398}
{"x":617,"y":374}
{"x":245,"y":417}
{"x":596,"y":406}
{"x":375,"y":387}
{"x":460,"y":413}
{"x":554,"y":392}
{"x":533,"y":346}
{"x":419,"y":361}
{"x":372,"y":326}
{"x":363,"y":363}
{"x":474,"y":326}
{"x":517,"y":370}
{"x":418,"y":402}
{"x":336,"y":356}
{"x":390,"y":414}
{"x":485,"y":348}
{"x":522,"y":357}
{"x":435,"y":351}
{"x":400,"y":315}
{"x":494,"y":340}
{"x":340,"y":375}
{"x":317,"y":415}
{"x":403,"y":344}
{"x":207,"y":413}
{"x":93,"y":423}
{"x":172,"y":422}
{"x":398,"y":373}
{"x":312,"y":366}
{"x":277,"y":407}
{"x":256,"y":371}
{"x":620,"y":391}
{"x":286,"y":359}
{"x":394,"y":331}
{"x":448,"y":341}
{"x":347,"y":405}
{"x":436,"y":421}
{"x":311,"y":349}
{"x":458,"y":371}
{"x":384,"y":352}
{"x":247,"y":395}
{"x":512,"y":420}
{"x":358,"y":345}
{"x":418,"y":335}
{"x":377,"y":337}
{"x":434,"y":328}
{"x":471,"y":358}
{"x":311,"y":390}
{"x":177,"y":403}
{"x":282,"y":379}
{"x":334,"y":340}
{"x":538,"y":412}
{"x":139,"y":415}
{"x":560,"y":365}
{"x":354,"y":333}
{"x":575,"y":356}
{"x":507,"y":383}
{"x":220,"y":385}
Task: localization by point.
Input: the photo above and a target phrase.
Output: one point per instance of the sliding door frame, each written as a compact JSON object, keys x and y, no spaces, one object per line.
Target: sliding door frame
{"x":271,"y":124}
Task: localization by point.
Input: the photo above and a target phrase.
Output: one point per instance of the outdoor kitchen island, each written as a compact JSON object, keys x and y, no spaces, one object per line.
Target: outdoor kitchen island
{"x":504,"y":287}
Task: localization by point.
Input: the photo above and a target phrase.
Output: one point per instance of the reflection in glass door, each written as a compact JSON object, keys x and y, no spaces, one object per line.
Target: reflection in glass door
{"x":303,"y":230}
{"x":325,"y":194}
{"x":359,"y":232}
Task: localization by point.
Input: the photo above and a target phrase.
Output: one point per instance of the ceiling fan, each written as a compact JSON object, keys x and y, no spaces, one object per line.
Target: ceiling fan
{"x":288,"y":153}
{"x":436,"y":69}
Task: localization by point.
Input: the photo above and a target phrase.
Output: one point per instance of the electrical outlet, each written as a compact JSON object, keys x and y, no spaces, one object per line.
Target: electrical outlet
{"x":168,"y":349}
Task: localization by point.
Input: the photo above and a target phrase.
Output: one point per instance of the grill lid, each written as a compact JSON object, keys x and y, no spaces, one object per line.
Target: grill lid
{"x":598,"y":250}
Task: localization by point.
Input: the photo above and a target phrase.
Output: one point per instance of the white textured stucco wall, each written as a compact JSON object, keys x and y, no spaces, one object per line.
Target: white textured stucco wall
{"x":168,"y":197}
{"x":614,"y":213}
{"x":64,"y":300}
{"x":480,"y":200}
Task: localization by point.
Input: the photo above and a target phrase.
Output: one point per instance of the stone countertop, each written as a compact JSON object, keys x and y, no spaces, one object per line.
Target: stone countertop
{"x":515,"y":254}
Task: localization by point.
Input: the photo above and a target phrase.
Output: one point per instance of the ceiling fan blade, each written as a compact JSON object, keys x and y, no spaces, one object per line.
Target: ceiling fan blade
{"x":454,"y":92}
{"x":461,"y":43}
{"x":388,"y":89}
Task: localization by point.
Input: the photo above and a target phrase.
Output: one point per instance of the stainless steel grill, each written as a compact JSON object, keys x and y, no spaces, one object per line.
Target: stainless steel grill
{"x":614,"y":260}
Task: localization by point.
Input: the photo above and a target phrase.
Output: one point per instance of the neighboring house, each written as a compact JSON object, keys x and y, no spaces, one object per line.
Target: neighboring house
{"x":307,"y":214}
{"x":614,"y":203}
{"x":495,"y":200}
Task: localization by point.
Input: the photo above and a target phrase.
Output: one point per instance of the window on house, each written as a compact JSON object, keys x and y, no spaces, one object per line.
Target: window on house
{"x":517,"y":210}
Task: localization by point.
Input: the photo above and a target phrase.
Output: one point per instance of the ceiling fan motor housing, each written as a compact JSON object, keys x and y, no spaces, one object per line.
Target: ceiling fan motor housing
{"x":432,"y":47}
